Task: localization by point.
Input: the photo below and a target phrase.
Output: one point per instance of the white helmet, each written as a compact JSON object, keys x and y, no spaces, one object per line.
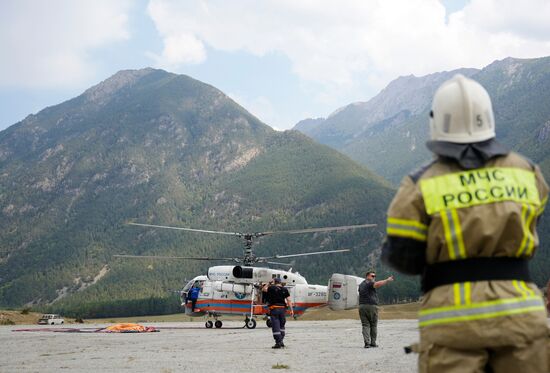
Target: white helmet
{"x":461,"y":112}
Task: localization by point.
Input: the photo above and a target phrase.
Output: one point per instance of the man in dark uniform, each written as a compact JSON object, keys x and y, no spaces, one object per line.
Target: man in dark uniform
{"x":368,"y":307}
{"x":278,"y":298}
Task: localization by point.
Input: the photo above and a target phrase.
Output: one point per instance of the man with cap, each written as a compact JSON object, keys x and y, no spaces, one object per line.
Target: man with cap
{"x":278,"y":299}
{"x":467,"y":223}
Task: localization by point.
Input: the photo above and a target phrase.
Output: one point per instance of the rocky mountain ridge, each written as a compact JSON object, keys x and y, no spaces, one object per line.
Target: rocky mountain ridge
{"x":394,"y":123}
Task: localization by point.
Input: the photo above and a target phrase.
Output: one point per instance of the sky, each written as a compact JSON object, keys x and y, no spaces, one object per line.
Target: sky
{"x":283,"y":60}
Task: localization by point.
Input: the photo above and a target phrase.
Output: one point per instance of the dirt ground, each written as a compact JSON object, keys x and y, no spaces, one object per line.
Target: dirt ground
{"x":312,"y":346}
{"x":387,"y":312}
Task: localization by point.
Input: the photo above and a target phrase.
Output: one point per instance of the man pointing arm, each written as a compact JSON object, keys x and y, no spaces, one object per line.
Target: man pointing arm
{"x":368,"y":307}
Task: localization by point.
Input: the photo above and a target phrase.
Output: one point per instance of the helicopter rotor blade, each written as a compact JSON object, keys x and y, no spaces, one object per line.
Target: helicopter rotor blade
{"x":260,"y":234}
{"x":312,"y":253}
{"x":186,"y":229}
{"x":325,"y":229}
{"x":279,"y":263}
{"x":173,"y":257}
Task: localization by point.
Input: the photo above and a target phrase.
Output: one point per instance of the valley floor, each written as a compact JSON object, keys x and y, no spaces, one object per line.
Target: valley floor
{"x":312,"y":346}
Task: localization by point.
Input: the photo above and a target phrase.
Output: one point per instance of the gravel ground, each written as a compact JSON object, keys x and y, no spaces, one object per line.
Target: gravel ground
{"x":312,"y":346}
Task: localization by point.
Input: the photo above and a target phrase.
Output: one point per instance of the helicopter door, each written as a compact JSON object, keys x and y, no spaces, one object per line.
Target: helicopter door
{"x":184,"y":296}
{"x":206,"y":292}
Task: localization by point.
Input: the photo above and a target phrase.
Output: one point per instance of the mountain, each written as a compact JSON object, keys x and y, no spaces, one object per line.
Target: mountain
{"x":387,"y":134}
{"x":401,"y":99}
{"x":154,"y":147}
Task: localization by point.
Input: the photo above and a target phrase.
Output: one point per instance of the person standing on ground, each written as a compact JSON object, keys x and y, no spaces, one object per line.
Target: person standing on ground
{"x":467,"y":223}
{"x":368,"y":307}
{"x":278,"y":299}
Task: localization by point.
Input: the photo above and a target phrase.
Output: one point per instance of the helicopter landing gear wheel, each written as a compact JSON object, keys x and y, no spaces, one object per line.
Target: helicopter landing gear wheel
{"x":268,"y":323}
{"x":250,"y":323}
{"x":218,"y":324}
{"x":209,"y":324}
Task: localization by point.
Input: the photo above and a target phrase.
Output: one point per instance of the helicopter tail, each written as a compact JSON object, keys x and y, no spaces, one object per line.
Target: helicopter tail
{"x":343,"y":292}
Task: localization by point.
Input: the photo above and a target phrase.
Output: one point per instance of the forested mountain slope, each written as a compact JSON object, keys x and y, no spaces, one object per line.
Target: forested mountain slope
{"x":159,"y":148}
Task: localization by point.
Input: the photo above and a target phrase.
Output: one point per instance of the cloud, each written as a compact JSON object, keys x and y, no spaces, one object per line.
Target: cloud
{"x":180,"y":49}
{"x":48,"y":43}
{"x":355,"y":42}
{"x":527,"y":20}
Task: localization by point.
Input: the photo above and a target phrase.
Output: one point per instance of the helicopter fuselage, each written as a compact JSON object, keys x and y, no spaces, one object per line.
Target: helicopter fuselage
{"x":236,"y":290}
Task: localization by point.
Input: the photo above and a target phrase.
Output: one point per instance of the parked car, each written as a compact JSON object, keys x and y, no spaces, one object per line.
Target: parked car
{"x":50,"y":319}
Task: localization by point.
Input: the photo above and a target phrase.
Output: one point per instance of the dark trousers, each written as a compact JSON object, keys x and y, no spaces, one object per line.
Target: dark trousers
{"x":278,"y":321}
{"x":193,"y":304}
{"x":369,"y":321}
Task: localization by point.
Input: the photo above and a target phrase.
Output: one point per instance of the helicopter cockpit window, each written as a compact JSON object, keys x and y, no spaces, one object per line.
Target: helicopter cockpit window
{"x":188,"y":286}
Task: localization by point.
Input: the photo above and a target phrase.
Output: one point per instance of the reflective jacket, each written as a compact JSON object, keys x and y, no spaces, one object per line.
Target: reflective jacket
{"x":447,"y":214}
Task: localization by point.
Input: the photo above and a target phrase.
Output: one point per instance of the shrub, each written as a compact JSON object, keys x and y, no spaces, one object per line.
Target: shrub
{"x":280,"y":366}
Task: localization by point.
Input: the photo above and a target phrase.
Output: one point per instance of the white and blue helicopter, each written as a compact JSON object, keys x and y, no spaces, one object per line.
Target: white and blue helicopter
{"x":235,"y":289}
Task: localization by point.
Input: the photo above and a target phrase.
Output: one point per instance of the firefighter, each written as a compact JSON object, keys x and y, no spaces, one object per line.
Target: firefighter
{"x":278,"y":299}
{"x":466,"y":222}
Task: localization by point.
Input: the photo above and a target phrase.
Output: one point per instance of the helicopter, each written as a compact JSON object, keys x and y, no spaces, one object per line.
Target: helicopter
{"x":236,"y":289}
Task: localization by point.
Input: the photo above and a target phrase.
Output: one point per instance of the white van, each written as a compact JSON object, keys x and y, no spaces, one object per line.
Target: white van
{"x":50,"y":319}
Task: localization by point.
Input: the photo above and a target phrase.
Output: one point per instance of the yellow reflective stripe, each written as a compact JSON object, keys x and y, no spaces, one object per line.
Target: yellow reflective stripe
{"x":477,"y":305}
{"x":482,"y":310}
{"x":453,"y":234}
{"x":456,"y":290}
{"x":477,"y":187}
{"x":523,"y":289}
{"x":528,"y":242}
{"x":542,"y":206}
{"x":447,"y":232}
{"x":531,"y":244}
{"x":481,"y":316}
{"x":518,"y":288}
{"x":406,"y":222}
{"x":458,"y":233}
{"x":406,"y":234}
{"x":523,"y":225}
{"x":407,"y":228}
{"x":468,"y":293}
{"x":528,"y":291}
{"x":462,"y":293}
